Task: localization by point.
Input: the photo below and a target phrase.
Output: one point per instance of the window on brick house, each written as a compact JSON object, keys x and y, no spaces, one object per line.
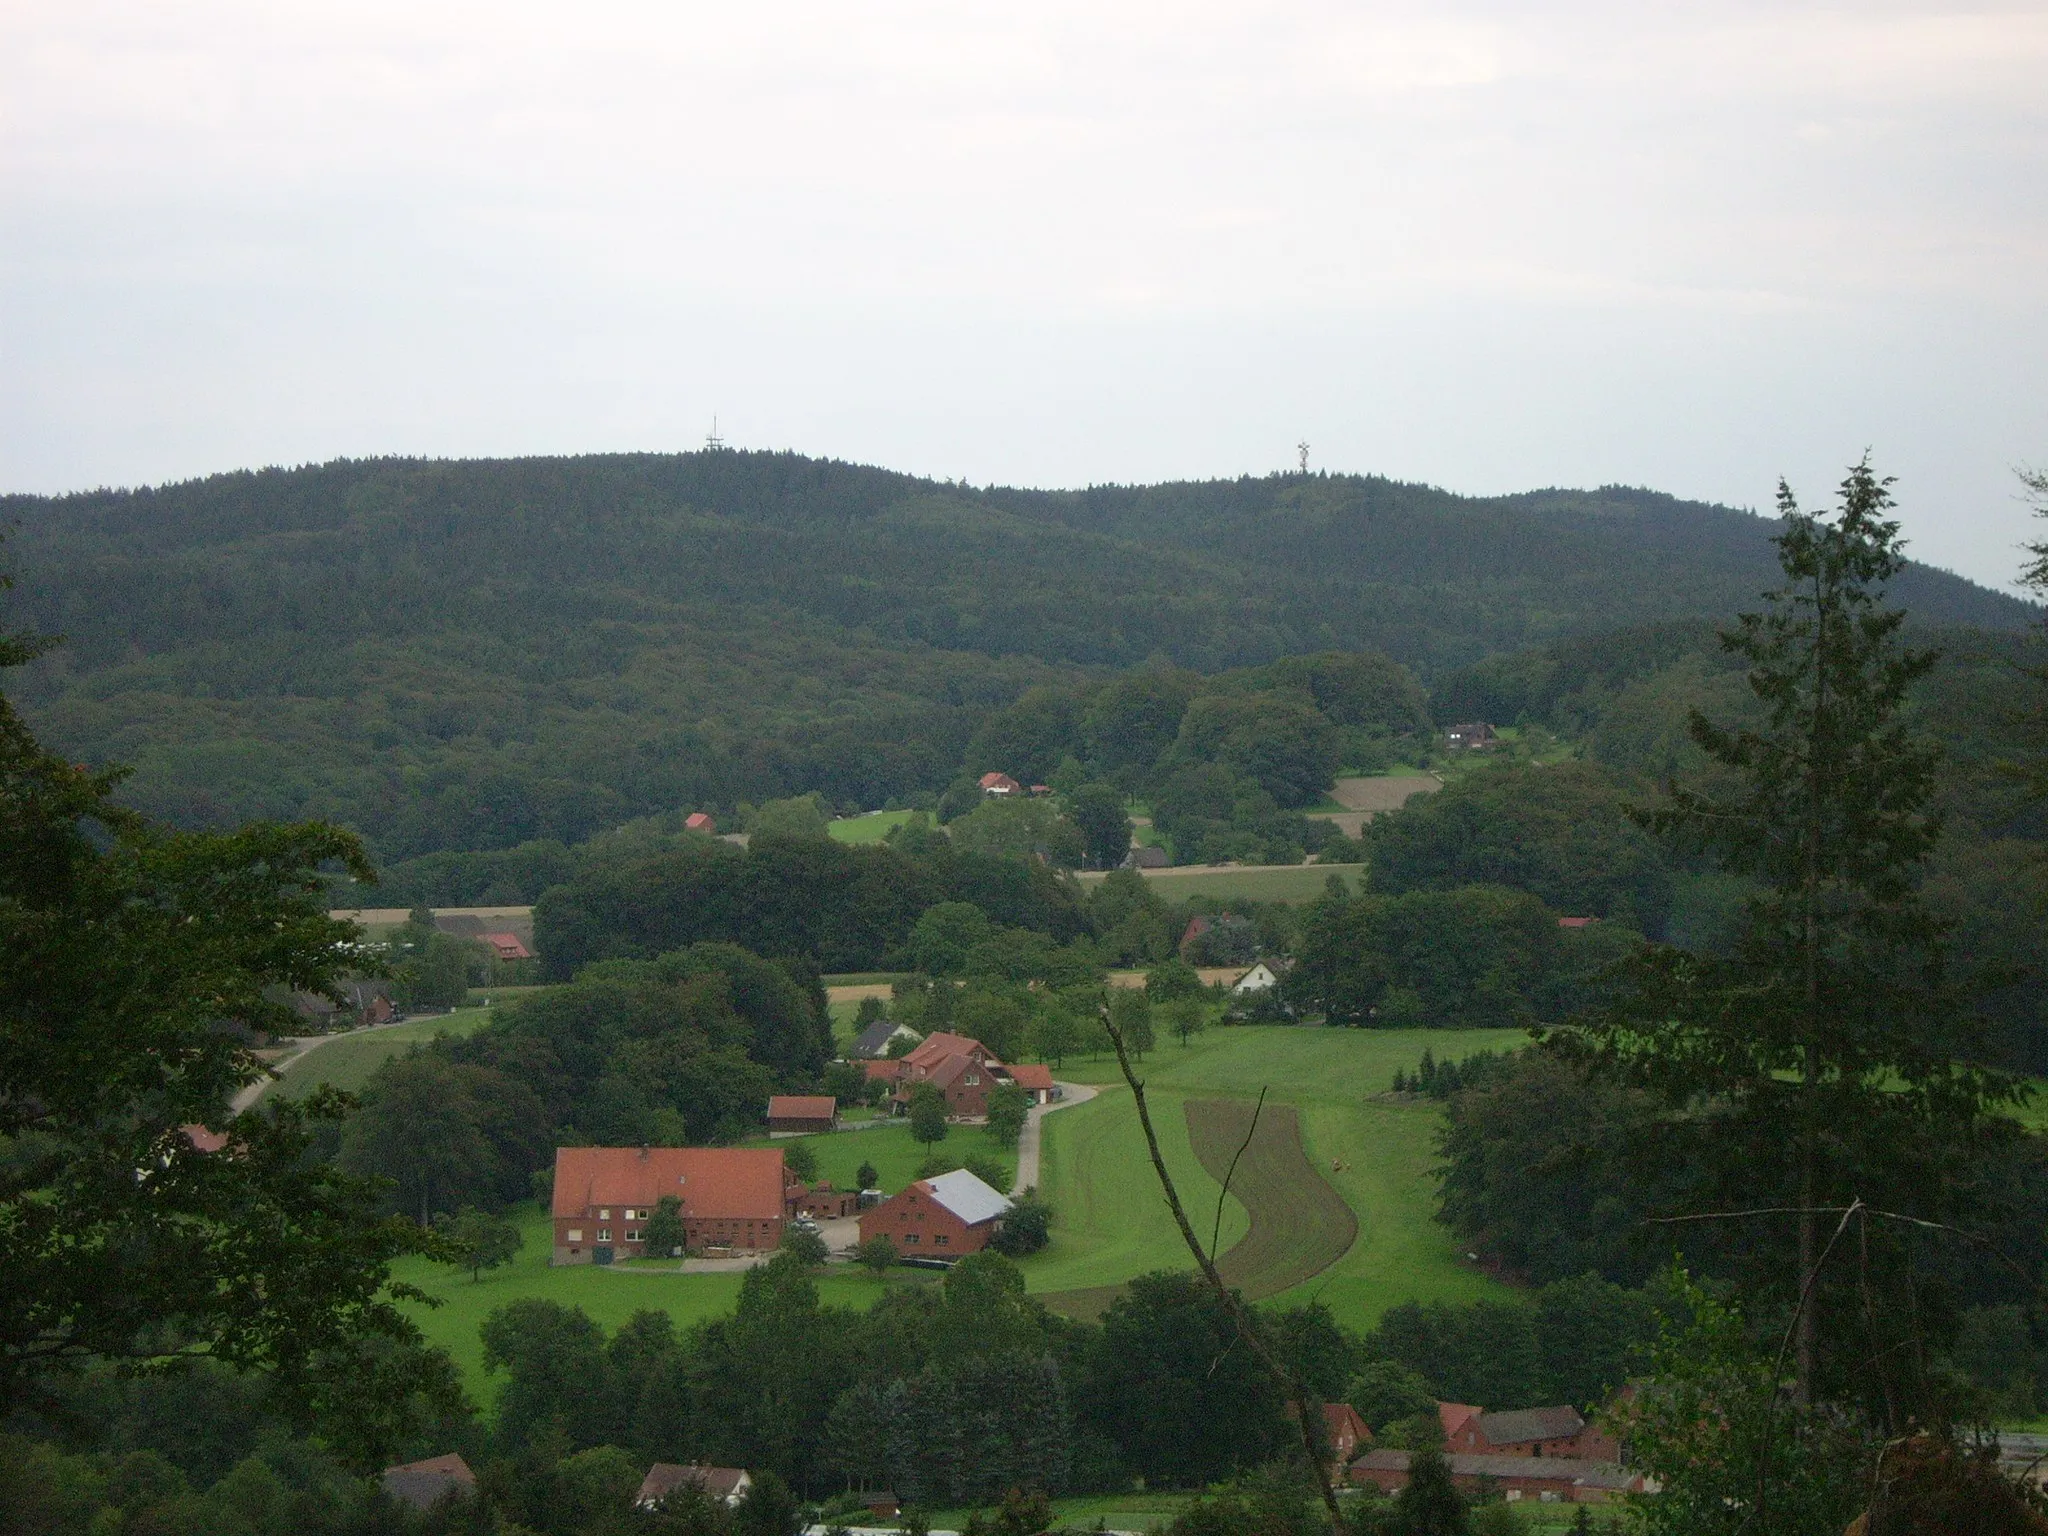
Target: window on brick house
{"x":605,"y":1214}
{"x":604,"y":1234}
{"x":940,"y":1240}
{"x":575,"y":1234}
{"x":909,"y":1237}
{"x":632,"y":1234}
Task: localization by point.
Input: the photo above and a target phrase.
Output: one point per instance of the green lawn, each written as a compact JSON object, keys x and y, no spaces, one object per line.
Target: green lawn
{"x":871,"y":828}
{"x":347,"y":1061}
{"x":1111,"y":1221}
{"x":896,"y":1157}
{"x":1258,"y":882}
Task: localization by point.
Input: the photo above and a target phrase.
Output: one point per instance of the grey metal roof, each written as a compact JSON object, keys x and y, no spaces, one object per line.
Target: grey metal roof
{"x":967,"y":1197}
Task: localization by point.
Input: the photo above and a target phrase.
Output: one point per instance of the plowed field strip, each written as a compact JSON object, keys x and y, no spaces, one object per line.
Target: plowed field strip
{"x":1300,"y":1226}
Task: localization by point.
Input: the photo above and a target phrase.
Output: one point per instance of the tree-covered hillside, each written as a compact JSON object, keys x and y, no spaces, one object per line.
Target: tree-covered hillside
{"x":473,"y":655}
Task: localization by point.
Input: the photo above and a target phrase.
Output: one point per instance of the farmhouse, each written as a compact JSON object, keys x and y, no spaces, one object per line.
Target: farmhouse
{"x":506,"y":946}
{"x":732,"y":1197}
{"x":698,"y":821}
{"x":802,"y":1114}
{"x":1559,"y":1431}
{"x":873,"y":1043}
{"x":728,"y":1485}
{"x":1471,"y":736}
{"x":945,"y":1217}
{"x":423,"y":1484}
{"x":1551,"y":1479}
{"x":1346,"y":1431}
{"x":963,"y":1081}
{"x":1259,"y":978}
{"x":1147,"y":858}
{"x":1000,"y":784}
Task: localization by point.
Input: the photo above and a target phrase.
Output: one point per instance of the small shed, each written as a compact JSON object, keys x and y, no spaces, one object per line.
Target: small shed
{"x":423,"y":1484}
{"x":699,"y":821}
{"x":802,"y":1114}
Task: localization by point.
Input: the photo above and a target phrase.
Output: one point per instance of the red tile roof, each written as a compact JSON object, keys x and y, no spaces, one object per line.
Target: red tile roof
{"x":202,"y":1139}
{"x":1034,"y":1075}
{"x":802,"y":1106}
{"x":714,"y":1183}
{"x":697,"y":821}
{"x":886,"y":1071}
{"x":938,"y":1045}
{"x":507,"y":946}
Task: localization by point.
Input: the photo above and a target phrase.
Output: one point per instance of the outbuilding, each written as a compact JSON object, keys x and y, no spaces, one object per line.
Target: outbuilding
{"x":942,"y":1218}
{"x":802,"y":1114}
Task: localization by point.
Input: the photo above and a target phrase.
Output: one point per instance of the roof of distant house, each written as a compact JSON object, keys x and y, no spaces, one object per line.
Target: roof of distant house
{"x":698,"y":821}
{"x":875,"y":1039}
{"x":939,"y":1044}
{"x":1584,"y":1474}
{"x":507,"y":946}
{"x":950,"y":1070}
{"x":966,"y":1196}
{"x":802,"y":1106}
{"x":202,"y":1139}
{"x":1033,"y":1075}
{"x":421,"y":1483}
{"x":1523,"y":1425}
{"x":1452,"y":1415}
{"x":883,"y":1069}
{"x":1148,"y":857}
{"x":665,"y":1477}
{"x":1000,"y":781}
{"x":713,"y":1183}
{"x":1577,"y":922}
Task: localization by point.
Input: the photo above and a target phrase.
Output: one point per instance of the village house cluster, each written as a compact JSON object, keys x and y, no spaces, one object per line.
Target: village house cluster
{"x":1548,"y":1455}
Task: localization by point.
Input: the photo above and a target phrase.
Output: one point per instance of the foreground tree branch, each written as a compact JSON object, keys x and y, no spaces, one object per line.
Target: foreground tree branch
{"x":1240,"y":1315}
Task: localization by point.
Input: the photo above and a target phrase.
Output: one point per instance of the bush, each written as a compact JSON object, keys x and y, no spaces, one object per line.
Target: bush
{"x":805,"y":1246}
{"x":1026,"y":1229}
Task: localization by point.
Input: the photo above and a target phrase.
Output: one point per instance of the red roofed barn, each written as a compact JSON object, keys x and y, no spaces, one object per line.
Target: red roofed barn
{"x":732,"y":1197}
{"x":1000,"y":784}
{"x":698,"y":821}
{"x":803,"y":1113}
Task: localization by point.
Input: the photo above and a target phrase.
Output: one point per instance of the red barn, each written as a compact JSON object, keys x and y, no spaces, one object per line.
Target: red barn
{"x":731,"y":1198}
{"x":803,"y":1113}
{"x":944,"y":1218}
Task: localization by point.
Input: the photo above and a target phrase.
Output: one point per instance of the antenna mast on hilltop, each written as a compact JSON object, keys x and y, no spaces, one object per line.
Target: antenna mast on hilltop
{"x":1302,"y":448}
{"x":712,"y":441}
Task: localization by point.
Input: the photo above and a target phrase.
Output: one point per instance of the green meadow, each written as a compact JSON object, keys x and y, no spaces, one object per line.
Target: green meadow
{"x":348,"y":1061}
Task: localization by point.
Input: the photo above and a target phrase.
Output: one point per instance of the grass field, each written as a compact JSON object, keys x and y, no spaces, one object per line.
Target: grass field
{"x":871,"y":828}
{"x":1257,"y":882}
{"x":1111,"y":1221}
{"x":347,"y":1061}
{"x":889,"y":1147}
{"x":1300,"y":1226}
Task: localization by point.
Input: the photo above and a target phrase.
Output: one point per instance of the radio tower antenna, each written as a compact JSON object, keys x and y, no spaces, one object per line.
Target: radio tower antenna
{"x":1302,"y":448}
{"x":712,"y":440}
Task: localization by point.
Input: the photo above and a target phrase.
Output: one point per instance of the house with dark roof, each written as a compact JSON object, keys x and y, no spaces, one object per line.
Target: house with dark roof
{"x":1145,"y":856}
{"x":802,"y":1114}
{"x":1471,"y":736}
{"x":731,"y":1197}
{"x":941,"y":1218}
{"x":423,"y":1484}
{"x":1556,"y":1431}
{"x":728,"y":1485}
{"x":873,"y":1043}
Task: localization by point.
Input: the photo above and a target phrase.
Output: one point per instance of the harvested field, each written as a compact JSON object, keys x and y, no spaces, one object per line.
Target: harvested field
{"x":1387,"y":793}
{"x":1300,"y":1226}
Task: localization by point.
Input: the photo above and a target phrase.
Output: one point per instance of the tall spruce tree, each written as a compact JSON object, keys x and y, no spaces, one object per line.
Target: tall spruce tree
{"x":1824,"y":1059}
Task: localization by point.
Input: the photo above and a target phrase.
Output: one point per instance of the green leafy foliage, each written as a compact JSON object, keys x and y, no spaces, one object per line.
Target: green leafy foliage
{"x":479,"y":1240}
{"x":1559,"y":833}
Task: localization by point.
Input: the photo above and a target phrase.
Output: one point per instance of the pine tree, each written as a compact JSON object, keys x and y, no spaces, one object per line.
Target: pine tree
{"x":1824,"y":1060}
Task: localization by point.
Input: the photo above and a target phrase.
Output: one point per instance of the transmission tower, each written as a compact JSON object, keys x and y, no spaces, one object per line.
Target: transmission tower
{"x":712,"y":440}
{"x":1302,"y":449}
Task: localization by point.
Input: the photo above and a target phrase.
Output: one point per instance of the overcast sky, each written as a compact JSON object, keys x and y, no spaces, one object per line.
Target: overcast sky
{"x":1497,"y":247}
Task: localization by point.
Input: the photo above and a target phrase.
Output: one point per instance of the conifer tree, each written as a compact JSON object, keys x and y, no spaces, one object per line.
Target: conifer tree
{"x":1825,"y":1060}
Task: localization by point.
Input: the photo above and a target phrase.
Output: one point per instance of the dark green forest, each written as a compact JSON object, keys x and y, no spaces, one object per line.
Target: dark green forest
{"x":479,"y":655}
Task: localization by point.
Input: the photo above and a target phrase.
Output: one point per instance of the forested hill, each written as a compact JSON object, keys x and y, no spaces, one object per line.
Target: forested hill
{"x":470,"y":654}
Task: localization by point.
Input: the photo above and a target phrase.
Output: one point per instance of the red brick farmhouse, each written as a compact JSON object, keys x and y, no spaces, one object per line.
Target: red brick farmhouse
{"x":732,"y":1197}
